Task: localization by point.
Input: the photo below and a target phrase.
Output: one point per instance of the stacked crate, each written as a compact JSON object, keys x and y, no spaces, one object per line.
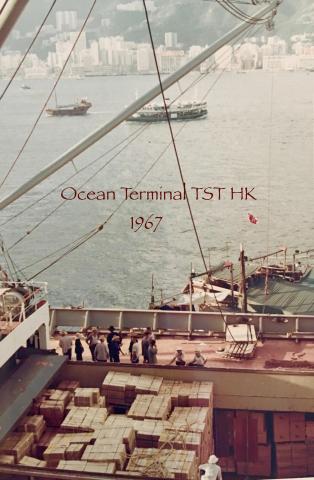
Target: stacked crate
{"x":195,"y":394}
{"x":123,"y":435}
{"x":17,"y":445}
{"x":241,"y":442}
{"x":68,"y":446}
{"x":84,"y":419}
{"x":147,"y":384}
{"x":150,"y":406}
{"x":291,"y":451}
{"x":52,"y":406}
{"x":106,"y":451}
{"x":7,"y":459}
{"x":32,"y":462}
{"x":70,"y":385}
{"x":194,"y":420}
{"x":34,"y":423}
{"x":252,"y":454}
{"x":121,"y":388}
{"x":165,"y":464}
{"x":82,"y":466}
{"x":86,"y":397}
{"x":148,"y":432}
{"x":181,"y":441}
{"x":224,"y":439}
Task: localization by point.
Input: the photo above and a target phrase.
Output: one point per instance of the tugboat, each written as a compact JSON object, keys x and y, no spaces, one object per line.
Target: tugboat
{"x":78,"y":108}
{"x":155,"y":112}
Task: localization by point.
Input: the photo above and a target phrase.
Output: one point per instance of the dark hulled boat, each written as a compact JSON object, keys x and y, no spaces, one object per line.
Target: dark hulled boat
{"x":78,"y":108}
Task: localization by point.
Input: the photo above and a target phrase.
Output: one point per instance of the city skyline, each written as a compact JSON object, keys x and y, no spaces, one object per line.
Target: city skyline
{"x":98,"y":54}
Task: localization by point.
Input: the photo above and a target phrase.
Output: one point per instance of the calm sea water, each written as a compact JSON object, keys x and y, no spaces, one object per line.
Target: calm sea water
{"x":258,"y":134}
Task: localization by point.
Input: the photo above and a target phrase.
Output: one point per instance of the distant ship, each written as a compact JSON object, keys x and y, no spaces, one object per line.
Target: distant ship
{"x":78,"y":108}
{"x":155,"y":112}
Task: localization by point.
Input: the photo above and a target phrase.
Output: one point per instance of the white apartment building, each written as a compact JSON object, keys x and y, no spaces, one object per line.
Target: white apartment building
{"x":66,"y":20}
{"x":171,"y":40}
{"x":145,"y":59}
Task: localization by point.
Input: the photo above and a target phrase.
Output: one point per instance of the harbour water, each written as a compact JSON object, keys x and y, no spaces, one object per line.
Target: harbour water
{"x":258,"y":135}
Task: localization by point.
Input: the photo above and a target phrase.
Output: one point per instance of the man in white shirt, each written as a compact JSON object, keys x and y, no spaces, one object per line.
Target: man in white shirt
{"x":65,"y":343}
{"x":101,"y":351}
{"x":198,"y":360}
{"x":211,"y":470}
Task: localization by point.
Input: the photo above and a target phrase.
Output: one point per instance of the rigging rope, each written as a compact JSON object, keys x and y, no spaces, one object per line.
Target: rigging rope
{"x":50,"y":94}
{"x":140,"y":130}
{"x":173,"y":138}
{"x":119,"y":206}
{"x":241,"y":15}
{"x":180,"y":169}
{"x":28,"y":49}
{"x":3,"y":6}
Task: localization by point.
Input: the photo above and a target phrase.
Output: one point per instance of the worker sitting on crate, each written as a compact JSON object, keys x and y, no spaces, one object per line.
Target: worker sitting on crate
{"x":210,"y":470}
{"x":178,"y":358}
{"x":199,"y":360}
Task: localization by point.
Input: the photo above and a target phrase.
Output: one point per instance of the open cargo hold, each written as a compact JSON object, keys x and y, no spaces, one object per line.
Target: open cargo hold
{"x":160,"y":435}
{"x":100,"y":438}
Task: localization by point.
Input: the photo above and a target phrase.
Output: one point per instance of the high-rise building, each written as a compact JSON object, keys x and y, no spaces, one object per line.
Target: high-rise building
{"x":171,"y":39}
{"x":66,"y":20}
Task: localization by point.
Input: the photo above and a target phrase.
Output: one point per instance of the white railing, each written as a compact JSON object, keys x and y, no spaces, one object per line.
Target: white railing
{"x":185,"y":322}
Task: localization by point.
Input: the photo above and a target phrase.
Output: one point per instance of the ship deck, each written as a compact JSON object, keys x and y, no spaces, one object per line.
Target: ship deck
{"x":269,"y":355}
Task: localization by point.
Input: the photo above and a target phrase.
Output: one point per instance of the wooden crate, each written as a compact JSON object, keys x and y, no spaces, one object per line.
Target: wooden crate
{"x":70,"y":385}
{"x":74,"y":451}
{"x":86,"y":397}
{"x":148,"y":432}
{"x":84,"y":419}
{"x":166,"y":464}
{"x":150,"y":406}
{"x":114,"y":452}
{"x":7,"y":459}
{"x":227,"y":464}
{"x":195,"y":420}
{"x":53,"y":412}
{"x":281,"y":427}
{"x":291,"y":457}
{"x":32,"y":462}
{"x":121,"y":388}
{"x":181,"y":441}
{"x":17,"y":444}
{"x":183,"y":394}
{"x":259,"y":467}
{"x":82,"y":466}
{"x":309,"y":430}
{"x":125,"y":435}
{"x":34,"y":423}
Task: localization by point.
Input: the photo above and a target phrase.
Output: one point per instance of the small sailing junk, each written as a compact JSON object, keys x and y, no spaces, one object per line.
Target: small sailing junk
{"x":80,"y":107}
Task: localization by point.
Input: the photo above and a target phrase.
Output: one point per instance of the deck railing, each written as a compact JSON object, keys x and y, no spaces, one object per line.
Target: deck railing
{"x":276,"y":326}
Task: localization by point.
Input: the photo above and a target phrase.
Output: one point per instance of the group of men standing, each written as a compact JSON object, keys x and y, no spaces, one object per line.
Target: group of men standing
{"x":108,"y":349}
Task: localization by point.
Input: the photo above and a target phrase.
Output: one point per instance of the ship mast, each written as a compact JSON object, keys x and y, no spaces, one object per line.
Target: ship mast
{"x":88,"y":141}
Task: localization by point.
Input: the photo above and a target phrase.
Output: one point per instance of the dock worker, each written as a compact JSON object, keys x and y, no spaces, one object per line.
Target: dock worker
{"x":101,"y":351}
{"x":65,"y":343}
{"x":210,"y":470}
{"x":92,"y":341}
{"x":112,"y":333}
{"x":79,"y":349}
{"x":135,"y":351}
{"x":199,"y":360}
{"x":115,"y":349}
{"x":178,"y":358}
